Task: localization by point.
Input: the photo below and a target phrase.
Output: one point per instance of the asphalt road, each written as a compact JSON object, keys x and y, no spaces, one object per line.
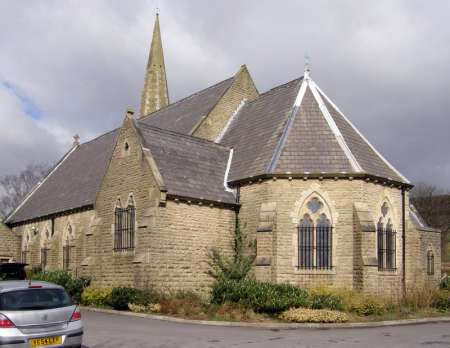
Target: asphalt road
{"x":111,"y":331}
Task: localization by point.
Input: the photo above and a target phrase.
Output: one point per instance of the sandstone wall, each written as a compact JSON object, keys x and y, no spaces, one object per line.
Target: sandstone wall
{"x":9,"y":244}
{"x":271,"y":211}
{"x":171,"y":239}
{"x":37,"y":235}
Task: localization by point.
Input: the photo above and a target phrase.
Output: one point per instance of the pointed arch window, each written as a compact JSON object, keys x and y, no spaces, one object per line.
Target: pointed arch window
{"x":386,"y":241}
{"x":44,"y":257}
{"x":430,"y":262}
{"x":25,"y":251}
{"x":315,"y":233}
{"x":124,"y":225}
{"x":67,"y":248}
{"x":66,"y":255}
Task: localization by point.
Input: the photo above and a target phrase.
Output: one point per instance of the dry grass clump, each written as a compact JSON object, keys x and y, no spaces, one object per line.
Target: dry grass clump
{"x":306,"y":315}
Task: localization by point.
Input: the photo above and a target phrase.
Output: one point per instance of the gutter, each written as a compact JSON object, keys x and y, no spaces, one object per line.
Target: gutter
{"x":321,"y":176}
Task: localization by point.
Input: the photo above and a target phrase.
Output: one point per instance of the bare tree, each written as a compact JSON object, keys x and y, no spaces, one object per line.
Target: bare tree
{"x":14,"y":188}
{"x":425,"y":198}
{"x":433,"y":204}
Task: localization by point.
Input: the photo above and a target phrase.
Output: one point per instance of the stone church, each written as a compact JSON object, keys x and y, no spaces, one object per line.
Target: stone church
{"x":142,"y":204}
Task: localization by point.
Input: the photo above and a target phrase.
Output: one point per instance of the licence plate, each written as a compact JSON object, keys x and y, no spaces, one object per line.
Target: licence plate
{"x":45,"y":341}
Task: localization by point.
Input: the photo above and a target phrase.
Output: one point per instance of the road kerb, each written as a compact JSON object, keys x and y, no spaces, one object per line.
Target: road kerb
{"x":278,"y":326}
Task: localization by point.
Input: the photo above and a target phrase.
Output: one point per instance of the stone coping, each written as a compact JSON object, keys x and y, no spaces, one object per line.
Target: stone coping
{"x":275,"y":326}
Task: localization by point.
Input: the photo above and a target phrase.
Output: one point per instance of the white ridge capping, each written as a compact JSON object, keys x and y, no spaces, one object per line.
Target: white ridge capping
{"x":40,"y":183}
{"x":227,"y":171}
{"x":230,"y":120}
{"x":340,"y":139}
{"x":362,"y":136}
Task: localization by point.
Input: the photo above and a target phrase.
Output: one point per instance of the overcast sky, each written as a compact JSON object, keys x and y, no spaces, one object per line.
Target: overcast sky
{"x":70,"y":67}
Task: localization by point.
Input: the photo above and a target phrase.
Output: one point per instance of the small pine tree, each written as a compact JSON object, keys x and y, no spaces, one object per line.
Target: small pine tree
{"x":236,"y":267}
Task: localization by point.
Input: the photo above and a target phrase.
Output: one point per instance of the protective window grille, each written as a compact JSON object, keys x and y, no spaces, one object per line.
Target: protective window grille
{"x":44,"y":257}
{"x":66,"y":257}
{"x":315,"y":244}
{"x":430,"y":263}
{"x":386,"y":238}
{"x":124,"y":227}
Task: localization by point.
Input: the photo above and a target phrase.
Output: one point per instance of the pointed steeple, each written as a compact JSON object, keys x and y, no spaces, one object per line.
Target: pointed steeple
{"x":155,"y":94}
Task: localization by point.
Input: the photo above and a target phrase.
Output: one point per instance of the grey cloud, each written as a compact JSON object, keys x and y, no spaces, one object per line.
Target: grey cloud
{"x":384,"y":63}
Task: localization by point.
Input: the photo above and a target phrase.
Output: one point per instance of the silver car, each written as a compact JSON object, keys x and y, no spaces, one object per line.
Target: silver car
{"x":38,"y":314}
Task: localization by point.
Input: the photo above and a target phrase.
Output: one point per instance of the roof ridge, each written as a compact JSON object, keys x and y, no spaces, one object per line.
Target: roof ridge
{"x":284,"y":85}
{"x":274,"y":89}
{"x":186,"y":98}
{"x":141,"y":124}
{"x":99,"y":136}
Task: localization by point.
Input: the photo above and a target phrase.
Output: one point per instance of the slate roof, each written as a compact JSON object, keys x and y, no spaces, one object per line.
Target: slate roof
{"x":190,"y":167}
{"x":257,"y":128}
{"x":73,"y":183}
{"x":282,"y":131}
{"x":184,"y":115}
{"x":285,"y":131}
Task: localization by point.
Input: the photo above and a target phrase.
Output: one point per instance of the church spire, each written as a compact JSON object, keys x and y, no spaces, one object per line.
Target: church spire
{"x":155,"y":94}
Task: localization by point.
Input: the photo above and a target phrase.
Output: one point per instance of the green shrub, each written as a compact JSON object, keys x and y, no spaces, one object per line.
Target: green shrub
{"x":145,"y":297}
{"x":323,"y":298}
{"x":348,"y":301}
{"x":305,"y":315}
{"x":120,"y":297}
{"x":74,"y":286}
{"x":97,"y":297}
{"x":367,"y":305}
{"x":260,"y":296}
{"x":445,"y":283}
{"x":442,"y":301}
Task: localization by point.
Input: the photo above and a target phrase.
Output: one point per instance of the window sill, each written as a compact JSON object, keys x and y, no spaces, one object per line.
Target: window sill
{"x":312,"y":271}
{"x":124,"y":252}
{"x":388,"y":272}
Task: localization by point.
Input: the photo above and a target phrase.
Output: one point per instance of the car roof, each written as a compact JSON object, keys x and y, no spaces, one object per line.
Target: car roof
{"x":10,"y":285}
{"x":12,"y":264}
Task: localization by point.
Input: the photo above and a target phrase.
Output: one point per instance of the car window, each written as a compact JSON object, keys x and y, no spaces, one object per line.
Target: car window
{"x":34,"y":299}
{"x":12,"y":273}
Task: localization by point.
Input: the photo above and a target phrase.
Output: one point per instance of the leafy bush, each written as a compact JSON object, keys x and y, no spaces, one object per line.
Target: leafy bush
{"x":323,"y":298}
{"x":260,"y":296}
{"x":74,"y":286}
{"x":366,"y":305}
{"x":305,"y":315}
{"x":120,"y":297}
{"x":98,"y":297}
{"x":442,"y":300}
{"x":348,"y":301}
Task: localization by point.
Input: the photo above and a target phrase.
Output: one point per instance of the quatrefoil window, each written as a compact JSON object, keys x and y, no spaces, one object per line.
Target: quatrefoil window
{"x":314,"y":205}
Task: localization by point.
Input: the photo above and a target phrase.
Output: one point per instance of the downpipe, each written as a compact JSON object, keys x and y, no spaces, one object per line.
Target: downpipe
{"x":403,"y":241}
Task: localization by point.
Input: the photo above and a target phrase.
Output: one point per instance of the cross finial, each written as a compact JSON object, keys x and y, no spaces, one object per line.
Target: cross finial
{"x":307,"y":68}
{"x":76,"y":140}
